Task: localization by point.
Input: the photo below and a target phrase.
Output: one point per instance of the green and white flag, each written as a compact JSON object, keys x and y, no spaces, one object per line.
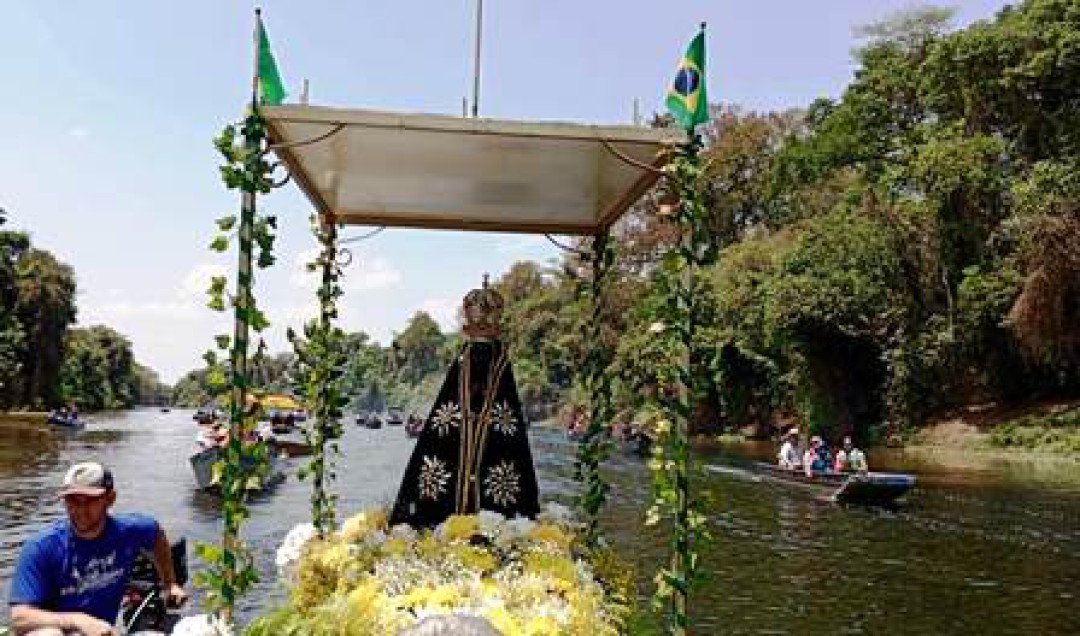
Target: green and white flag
{"x":686,"y":99}
{"x":271,"y":88}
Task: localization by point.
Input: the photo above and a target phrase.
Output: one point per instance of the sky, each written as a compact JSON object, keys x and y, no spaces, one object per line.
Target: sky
{"x":109,"y":109}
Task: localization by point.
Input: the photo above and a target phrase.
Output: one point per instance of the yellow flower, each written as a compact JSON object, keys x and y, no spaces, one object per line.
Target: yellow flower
{"x":475,"y":558}
{"x":548,"y":533}
{"x":541,"y":626}
{"x":561,"y":573}
{"x":396,"y":547}
{"x":460,"y":527}
{"x":503,"y":621}
{"x":358,"y":527}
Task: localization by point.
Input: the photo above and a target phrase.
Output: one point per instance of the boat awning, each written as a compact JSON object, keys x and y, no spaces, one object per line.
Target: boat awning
{"x":366,"y":167}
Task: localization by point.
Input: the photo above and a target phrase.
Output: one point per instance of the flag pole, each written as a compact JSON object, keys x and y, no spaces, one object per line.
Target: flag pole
{"x":476,"y":58}
{"x":232,"y":482}
{"x":255,"y":58}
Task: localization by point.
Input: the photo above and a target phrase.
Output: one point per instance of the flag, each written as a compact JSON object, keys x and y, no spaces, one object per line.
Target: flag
{"x":686,"y":99}
{"x":271,"y":88}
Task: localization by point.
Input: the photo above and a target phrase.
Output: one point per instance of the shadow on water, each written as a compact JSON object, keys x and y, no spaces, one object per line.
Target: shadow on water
{"x":976,"y":549}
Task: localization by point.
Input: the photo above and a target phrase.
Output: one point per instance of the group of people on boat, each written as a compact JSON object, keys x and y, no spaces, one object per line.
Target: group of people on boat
{"x":64,"y":416}
{"x":816,"y":459}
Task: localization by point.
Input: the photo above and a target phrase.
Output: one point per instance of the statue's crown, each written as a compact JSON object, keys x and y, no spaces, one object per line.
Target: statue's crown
{"x":482,"y":312}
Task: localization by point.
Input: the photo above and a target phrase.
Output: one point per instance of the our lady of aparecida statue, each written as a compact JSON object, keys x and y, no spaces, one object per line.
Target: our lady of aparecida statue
{"x":473,"y":453}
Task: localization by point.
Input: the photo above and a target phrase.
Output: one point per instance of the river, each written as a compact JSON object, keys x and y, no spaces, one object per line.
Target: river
{"x":988,"y":548}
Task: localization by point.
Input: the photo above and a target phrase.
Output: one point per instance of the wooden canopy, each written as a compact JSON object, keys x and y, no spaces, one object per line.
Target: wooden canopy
{"x":366,"y":167}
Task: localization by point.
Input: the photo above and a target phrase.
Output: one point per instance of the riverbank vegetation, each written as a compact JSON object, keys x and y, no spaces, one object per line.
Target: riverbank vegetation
{"x":44,"y":360}
{"x":905,"y":249}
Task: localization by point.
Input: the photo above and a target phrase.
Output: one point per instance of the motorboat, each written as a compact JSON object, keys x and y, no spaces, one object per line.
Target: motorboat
{"x":865,"y":488}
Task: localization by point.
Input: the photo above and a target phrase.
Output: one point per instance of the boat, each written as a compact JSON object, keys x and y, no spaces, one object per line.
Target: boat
{"x":286,"y":448}
{"x":63,"y":420}
{"x":871,"y":489}
{"x":393,"y":418}
{"x":370,"y":420}
{"x":205,"y":415}
{"x":202,"y":465}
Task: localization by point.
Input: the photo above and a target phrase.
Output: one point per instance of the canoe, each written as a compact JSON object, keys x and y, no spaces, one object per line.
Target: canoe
{"x":65,"y":421}
{"x":871,"y":489}
{"x":291,"y":448}
{"x":202,"y":466}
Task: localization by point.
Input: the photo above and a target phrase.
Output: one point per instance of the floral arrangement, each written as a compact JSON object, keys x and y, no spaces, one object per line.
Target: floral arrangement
{"x":524,"y":577}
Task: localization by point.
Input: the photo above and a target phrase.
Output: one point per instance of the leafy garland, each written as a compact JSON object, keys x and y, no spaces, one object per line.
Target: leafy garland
{"x":594,"y":448}
{"x":231,"y":572}
{"x":321,"y":362}
{"x":676,"y":388}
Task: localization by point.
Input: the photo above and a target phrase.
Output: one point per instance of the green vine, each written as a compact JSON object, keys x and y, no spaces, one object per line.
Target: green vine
{"x":596,"y":380}
{"x":677,"y":387}
{"x":321,"y":361}
{"x":231,"y":572}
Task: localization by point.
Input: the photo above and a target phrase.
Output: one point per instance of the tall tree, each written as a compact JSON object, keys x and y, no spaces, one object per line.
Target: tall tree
{"x":45,"y":305}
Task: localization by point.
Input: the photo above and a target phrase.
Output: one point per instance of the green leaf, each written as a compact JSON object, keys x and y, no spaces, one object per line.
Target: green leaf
{"x":226,"y":223}
{"x":220,"y":243}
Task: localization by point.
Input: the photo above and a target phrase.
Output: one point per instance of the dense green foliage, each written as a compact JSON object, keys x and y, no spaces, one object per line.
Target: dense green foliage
{"x":907,"y":247}
{"x":44,"y":362}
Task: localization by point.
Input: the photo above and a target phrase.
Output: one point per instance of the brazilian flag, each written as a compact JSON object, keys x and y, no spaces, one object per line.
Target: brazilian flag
{"x":686,"y":99}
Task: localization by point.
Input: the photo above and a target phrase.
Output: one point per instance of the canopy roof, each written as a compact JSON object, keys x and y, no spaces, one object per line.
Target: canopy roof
{"x":366,"y":167}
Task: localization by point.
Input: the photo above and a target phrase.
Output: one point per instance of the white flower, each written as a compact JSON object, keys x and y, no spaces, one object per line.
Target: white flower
{"x":202,"y":625}
{"x":520,"y":527}
{"x":490,"y":523}
{"x":556,"y":513}
{"x":405,"y":532}
{"x":292,"y":547}
{"x":657,"y":327}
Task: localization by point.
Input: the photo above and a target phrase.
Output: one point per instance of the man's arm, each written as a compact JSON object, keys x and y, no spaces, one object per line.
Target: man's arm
{"x":27,"y":618}
{"x":163,"y":563}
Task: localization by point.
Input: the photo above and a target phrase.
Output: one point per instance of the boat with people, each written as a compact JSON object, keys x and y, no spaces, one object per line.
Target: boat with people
{"x":863,"y":488}
{"x":202,"y":466}
{"x":369,"y":420}
{"x":66,"y":419}
{"x":414,"y":426}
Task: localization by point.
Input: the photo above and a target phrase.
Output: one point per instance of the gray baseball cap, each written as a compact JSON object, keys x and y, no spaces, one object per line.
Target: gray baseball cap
{"x":87,"y":478}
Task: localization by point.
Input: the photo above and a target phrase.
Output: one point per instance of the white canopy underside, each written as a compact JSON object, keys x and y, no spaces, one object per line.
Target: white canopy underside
{"x":405,"y":170}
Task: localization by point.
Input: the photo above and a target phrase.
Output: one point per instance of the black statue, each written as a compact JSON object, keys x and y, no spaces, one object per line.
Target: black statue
{"x":473,"y":451}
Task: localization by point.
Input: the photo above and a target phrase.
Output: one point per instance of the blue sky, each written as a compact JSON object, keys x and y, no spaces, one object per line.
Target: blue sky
{"x":109,"y":108}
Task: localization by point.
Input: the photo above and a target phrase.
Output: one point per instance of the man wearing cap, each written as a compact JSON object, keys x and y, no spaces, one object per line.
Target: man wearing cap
{"x":70,"y":578}
{"x":789,"y":451}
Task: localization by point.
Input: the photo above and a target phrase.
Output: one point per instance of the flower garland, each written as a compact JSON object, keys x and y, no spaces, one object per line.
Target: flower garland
{"x":522,"y":576}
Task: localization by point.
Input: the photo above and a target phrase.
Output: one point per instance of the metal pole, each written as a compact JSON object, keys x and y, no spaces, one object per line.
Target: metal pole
{"x":476,"y":58}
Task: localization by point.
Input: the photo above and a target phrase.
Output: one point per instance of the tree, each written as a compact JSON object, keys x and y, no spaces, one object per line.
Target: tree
{"x":45,"y":305}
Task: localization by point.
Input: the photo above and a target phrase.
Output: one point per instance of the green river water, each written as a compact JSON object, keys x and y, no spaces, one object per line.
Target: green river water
{"x":980,"y":547}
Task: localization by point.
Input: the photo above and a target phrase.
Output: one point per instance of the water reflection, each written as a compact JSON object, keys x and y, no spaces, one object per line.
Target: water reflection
{"x":978,"y":549}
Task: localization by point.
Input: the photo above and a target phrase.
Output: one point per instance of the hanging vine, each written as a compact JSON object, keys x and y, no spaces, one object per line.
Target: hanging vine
{"x":594,"y":447}
{"x":321,"y":363}
{"x":244,"y":464}
{"x":677,"y":387}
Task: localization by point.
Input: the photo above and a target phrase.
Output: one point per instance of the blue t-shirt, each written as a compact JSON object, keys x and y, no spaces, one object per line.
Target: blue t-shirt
{"x":59,"y":572}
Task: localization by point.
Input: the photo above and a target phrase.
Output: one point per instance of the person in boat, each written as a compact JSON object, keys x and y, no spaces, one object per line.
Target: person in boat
{"x":70,"y":577}
{"x":788,"y":457}
{"x":849,"y":459}
{"x":816,"y":458}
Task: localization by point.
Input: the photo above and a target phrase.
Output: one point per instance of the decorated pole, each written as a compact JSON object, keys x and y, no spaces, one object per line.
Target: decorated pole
{"x":677,"y":384}
{"x":321,"y":360}
{"x":232,"y":479}
{"x":594,"y":448}
{"x":243,"y":464}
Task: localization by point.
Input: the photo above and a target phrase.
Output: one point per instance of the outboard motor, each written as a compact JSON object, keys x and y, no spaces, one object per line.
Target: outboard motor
{"x":143,"y":608}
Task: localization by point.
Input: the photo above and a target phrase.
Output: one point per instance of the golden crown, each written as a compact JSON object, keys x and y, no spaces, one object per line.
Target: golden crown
{"x":482,"y":312}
